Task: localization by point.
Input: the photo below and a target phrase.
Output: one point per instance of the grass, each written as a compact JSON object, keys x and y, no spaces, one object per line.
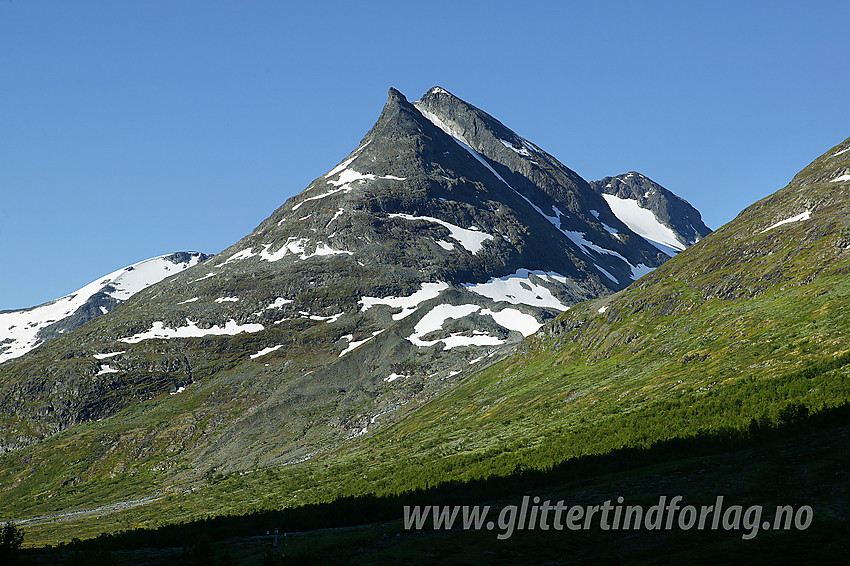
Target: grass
{"x":797,"y":466}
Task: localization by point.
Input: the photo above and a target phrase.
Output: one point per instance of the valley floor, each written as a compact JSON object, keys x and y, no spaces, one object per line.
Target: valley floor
{"x":798,"y":468}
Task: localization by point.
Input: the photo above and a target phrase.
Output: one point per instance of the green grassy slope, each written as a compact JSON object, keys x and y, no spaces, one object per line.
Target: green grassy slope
{"x":798,"y":465}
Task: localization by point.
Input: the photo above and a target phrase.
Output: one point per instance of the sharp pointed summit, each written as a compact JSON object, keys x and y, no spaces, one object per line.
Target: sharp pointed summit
{"x":437,"y":245}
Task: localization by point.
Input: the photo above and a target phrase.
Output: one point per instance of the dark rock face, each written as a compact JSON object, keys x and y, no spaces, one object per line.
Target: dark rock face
{"x":441,"y":241}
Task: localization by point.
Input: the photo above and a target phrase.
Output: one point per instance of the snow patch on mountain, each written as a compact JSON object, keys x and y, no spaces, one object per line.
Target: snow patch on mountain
{"x":19,"y":329}
{"x":191,"y":330}
{"x":606,"y":274}
{"x":136,"y":277}
{"x":347,"y":180}
{"x":346,"y":162}
{"x":344,"y":188}
{"x":579,"y":239}
{"x":519,"y":288}
{"x":243,"y":254}
{"x":328,"y":319}
{"x":109,"y":355}
{"x":554,"y":220}
{"x":278,"y":303}
{"x":471,"y":239}
{"x":298,"y":246}
{"x":456,"y":339}
{"x":323,"y":249}
{"x":352,"y":343}
{"x":436,"y":318}
{"x":522,"y":150}
{"x":613,"y":231}
{"x":802,"y":216}
{"x":291,"y":246}
{"x":512,"y":319}
{"x":104,"y":369}
{"x":265,"y":351}
{"x":640,"y":270}
{"x":336,"y":215}
{"x":407,"y":304}
{"x":350,"y":176}
{"x":643,"y":222}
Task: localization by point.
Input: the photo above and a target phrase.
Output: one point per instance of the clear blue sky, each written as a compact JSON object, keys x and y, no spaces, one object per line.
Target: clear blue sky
{"x":133,"y":129}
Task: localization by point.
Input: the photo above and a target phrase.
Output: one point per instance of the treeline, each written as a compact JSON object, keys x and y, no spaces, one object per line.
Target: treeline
{"x":720,"y":418}
{"x":366,"y":509}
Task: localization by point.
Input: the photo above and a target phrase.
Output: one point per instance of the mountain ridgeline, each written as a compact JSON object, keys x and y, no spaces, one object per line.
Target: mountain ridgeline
{"x":24,"y":329}
{"x":436,"y":246}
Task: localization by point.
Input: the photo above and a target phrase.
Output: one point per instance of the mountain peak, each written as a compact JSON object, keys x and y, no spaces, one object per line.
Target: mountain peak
{"x":666,"y":220}
{"x":396,"y":108}
{"x":395,"y":96}
{"x":443,"y":239}
{"x":437,"y":90}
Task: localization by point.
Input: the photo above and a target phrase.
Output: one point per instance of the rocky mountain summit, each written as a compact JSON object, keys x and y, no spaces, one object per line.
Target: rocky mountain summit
{"x":440,"y":242}
{"x":667,"y":221}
